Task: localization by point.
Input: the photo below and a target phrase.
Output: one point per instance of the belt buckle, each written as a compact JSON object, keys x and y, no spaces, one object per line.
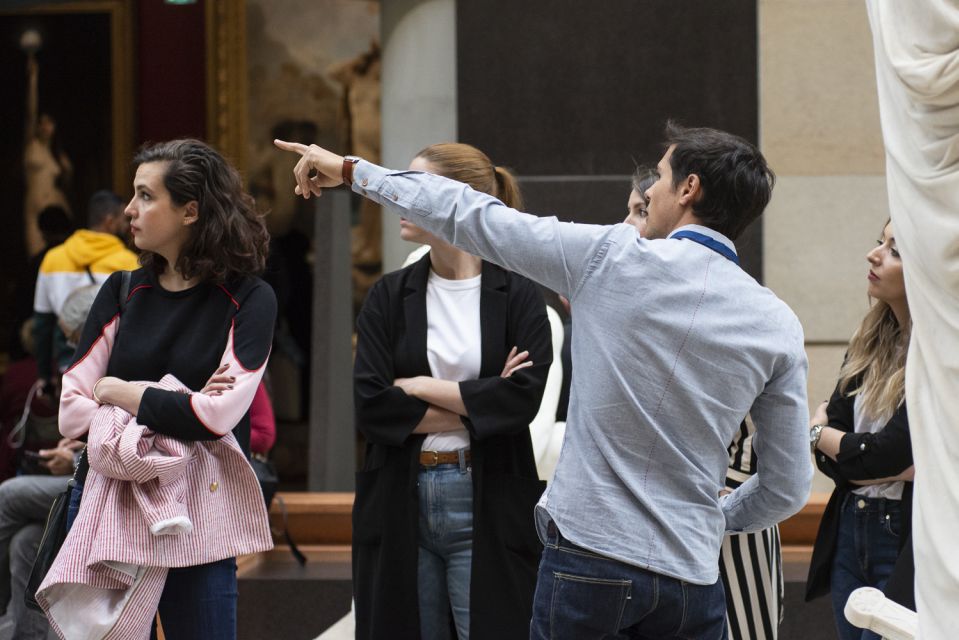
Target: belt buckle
{"x":436,"y":458}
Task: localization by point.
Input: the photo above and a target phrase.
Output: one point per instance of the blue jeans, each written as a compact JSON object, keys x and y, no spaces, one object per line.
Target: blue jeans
{"x":199,"y":603}
{"x":73,"y":507}
{"x":445,"y":550}
{"x":866,"y":551}
{"x":581,"y":595}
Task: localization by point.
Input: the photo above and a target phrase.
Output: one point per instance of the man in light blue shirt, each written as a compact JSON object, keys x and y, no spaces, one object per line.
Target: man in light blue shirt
{"x":673,"y":345}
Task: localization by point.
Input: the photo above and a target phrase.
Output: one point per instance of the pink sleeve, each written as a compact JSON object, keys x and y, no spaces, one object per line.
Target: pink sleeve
{"x":77,"y":406}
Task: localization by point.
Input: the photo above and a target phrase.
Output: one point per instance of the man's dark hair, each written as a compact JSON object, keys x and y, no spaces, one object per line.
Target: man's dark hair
{"x":103,"y":204}
{"x":55,"y":224}
{"x":736,"y":181}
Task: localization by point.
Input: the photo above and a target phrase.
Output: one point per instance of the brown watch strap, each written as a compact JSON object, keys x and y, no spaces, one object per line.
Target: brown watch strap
{"x":349,"y":162}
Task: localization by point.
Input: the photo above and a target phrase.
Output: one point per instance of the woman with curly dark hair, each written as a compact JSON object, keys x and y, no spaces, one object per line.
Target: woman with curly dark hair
{"x":198,"y":311}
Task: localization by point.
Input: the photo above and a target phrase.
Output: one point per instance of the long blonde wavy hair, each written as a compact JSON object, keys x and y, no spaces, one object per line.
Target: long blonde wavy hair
{"x":877,"y":353}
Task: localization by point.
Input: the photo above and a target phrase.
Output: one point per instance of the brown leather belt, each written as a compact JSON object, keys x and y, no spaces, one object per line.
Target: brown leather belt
{"x":433,"y":458}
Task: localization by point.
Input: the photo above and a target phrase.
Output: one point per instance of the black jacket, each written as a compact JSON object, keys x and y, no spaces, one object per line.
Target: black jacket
{"x":862,"y":456}
{"x":391,"y":343}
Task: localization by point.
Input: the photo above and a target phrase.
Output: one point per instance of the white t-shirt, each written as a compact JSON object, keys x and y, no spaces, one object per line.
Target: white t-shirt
{"x":864,"y":424}
{"x":453,"y":343}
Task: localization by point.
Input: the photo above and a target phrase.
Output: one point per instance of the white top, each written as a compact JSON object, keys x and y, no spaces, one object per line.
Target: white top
{"x":453,"y":343}
{"x":865,"y":424}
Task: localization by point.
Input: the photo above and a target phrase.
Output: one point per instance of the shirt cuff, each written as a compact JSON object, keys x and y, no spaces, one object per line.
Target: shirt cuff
{"x":366,"y":177}
{"x":400,"y":190}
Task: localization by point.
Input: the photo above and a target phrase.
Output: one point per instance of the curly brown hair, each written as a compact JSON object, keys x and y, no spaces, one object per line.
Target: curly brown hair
{"x":229,"y":237}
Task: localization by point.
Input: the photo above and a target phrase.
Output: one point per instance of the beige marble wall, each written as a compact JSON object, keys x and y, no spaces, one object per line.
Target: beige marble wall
{"x":819,"y":114}
{"x":819,"y":129}
{"x":817,"y":231}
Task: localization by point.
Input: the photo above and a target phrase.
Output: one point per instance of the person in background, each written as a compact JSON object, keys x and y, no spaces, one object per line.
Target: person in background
{"x":25,"y":500}
{"x":86,"y":258}
{"x":443,"y":539}
{"x":55,"y":227}
{"x":262,"y":423}
{"x":860,"y":439}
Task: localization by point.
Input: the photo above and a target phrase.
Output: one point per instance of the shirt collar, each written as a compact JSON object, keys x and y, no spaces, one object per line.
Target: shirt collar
{"x":706,"y":231}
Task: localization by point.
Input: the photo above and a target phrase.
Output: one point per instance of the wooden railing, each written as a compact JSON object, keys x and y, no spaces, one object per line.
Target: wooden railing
{"x":325,"y":518}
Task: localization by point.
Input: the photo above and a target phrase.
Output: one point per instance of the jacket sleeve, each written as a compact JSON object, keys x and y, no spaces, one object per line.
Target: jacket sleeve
{"x":866,"y":456}
{"x":384,"y":413}
{"x":839,"y":415}
{"x":496,"y":405}
{"x":197,"y":416}
{"x":886,"y":453}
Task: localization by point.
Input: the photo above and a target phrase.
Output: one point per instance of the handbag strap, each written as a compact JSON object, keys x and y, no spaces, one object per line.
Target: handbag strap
{"x":295,"y":550}
{"x":18,"y":434}
{"x":124,"y":290}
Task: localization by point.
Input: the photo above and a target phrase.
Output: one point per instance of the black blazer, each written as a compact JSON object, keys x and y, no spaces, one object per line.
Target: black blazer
{"x":862,"y":456}
{"x":391,"y":343}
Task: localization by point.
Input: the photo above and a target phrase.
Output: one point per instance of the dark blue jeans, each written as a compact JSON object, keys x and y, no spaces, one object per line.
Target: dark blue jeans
{"x":199,"y":603}
{"x":584,"y":596}
{"x":866,"y":551}
{"x":73,"y":507}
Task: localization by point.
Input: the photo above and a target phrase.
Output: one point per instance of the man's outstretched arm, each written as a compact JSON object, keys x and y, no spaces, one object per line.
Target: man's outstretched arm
{"x":552,"y":253}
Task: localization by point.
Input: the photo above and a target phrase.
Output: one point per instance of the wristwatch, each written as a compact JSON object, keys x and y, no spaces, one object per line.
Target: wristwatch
{"x":349,"y":162}
{"x":814,"y":435}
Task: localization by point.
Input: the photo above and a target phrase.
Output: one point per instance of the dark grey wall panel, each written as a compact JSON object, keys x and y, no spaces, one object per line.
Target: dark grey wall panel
{"x":581,"y":200}
{"x":579,"y":89}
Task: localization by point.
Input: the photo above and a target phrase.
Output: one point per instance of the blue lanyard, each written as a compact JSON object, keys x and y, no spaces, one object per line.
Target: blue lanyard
{"x":707,"y":242}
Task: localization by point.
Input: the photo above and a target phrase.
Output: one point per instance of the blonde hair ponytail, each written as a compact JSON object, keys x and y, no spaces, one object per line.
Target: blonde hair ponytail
{"x":466,"y":163}
{"x":507,"y":188}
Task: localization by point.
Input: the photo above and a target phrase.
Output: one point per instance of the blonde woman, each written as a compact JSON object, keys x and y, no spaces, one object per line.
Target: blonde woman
{"x":860,"y":439}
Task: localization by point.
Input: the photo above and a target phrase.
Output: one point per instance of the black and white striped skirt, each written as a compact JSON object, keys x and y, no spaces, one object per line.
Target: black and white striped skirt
{"x":751,"y":568}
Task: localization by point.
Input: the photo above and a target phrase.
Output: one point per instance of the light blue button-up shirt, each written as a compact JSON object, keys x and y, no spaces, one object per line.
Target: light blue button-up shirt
{"x":672,"y":345}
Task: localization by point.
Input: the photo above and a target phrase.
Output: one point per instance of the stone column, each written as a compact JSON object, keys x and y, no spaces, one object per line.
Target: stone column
{"x":332,"y":455}
{"x":419,"y":92}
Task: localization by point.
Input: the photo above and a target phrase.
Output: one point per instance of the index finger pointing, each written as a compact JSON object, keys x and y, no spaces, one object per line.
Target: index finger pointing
{"x":291,"y":146}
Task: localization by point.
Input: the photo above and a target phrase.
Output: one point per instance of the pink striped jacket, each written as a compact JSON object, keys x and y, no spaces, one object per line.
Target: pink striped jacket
{"x":150,"y":502}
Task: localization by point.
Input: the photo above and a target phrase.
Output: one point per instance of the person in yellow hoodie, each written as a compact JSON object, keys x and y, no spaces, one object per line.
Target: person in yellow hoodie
{"x":86,"y":258}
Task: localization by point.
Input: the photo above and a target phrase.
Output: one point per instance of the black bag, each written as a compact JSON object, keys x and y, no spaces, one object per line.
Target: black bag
{"x":266,"y":475}
{"x":54,"y":533}
{"x":55,"y":530}
{"x":269,"y":483}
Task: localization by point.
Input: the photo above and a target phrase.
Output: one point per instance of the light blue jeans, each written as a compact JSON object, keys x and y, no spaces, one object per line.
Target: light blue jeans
{"x":445,"y":549}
